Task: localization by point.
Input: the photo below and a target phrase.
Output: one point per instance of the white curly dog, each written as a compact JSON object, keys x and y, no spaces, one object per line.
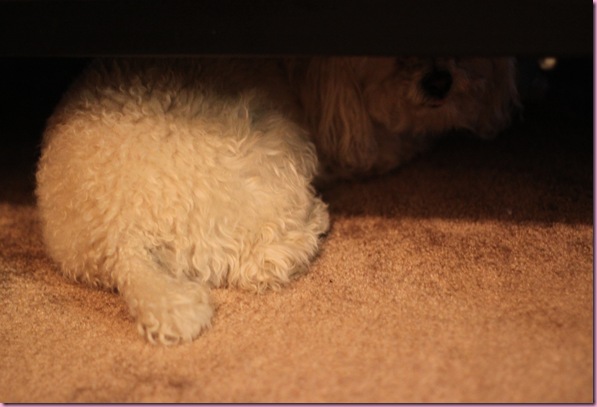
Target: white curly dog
{"x":161,"y":178}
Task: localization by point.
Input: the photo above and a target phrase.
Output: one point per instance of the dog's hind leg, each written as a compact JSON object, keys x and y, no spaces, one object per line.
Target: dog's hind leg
{"x":167,"y":308}
{"x":282,"y":250}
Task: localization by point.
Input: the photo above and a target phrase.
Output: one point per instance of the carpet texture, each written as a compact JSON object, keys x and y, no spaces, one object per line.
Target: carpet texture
{"x":465,"y":276}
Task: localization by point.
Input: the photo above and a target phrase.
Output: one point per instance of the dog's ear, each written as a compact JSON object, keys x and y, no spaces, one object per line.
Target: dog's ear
{"x":501,"y":98}
{"x":335,"y":111}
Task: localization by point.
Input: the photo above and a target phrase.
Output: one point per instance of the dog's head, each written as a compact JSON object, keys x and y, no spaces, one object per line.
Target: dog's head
{"x":351,"y":104}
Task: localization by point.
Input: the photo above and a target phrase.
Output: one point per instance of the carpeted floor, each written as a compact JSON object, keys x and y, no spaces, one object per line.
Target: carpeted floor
{"x":465,"y":276}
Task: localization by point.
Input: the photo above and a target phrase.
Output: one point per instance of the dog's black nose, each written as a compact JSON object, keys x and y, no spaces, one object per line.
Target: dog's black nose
{"x":436,"y":84}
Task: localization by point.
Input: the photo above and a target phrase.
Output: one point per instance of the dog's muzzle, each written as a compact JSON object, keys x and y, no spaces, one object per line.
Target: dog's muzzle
{"x":436,"y":84}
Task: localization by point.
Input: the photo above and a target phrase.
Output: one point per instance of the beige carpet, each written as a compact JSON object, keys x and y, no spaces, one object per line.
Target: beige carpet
{"x":466,"y":276}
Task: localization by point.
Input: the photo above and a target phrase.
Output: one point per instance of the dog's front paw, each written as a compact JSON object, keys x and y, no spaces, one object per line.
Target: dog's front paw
{"x":175,"y":312}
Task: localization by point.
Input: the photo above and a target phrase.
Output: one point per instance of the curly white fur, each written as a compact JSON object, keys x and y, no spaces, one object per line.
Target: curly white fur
{"x":162,"y":178}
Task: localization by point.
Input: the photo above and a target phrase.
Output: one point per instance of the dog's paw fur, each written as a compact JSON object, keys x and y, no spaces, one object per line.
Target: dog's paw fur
{"x":170,"y":312}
